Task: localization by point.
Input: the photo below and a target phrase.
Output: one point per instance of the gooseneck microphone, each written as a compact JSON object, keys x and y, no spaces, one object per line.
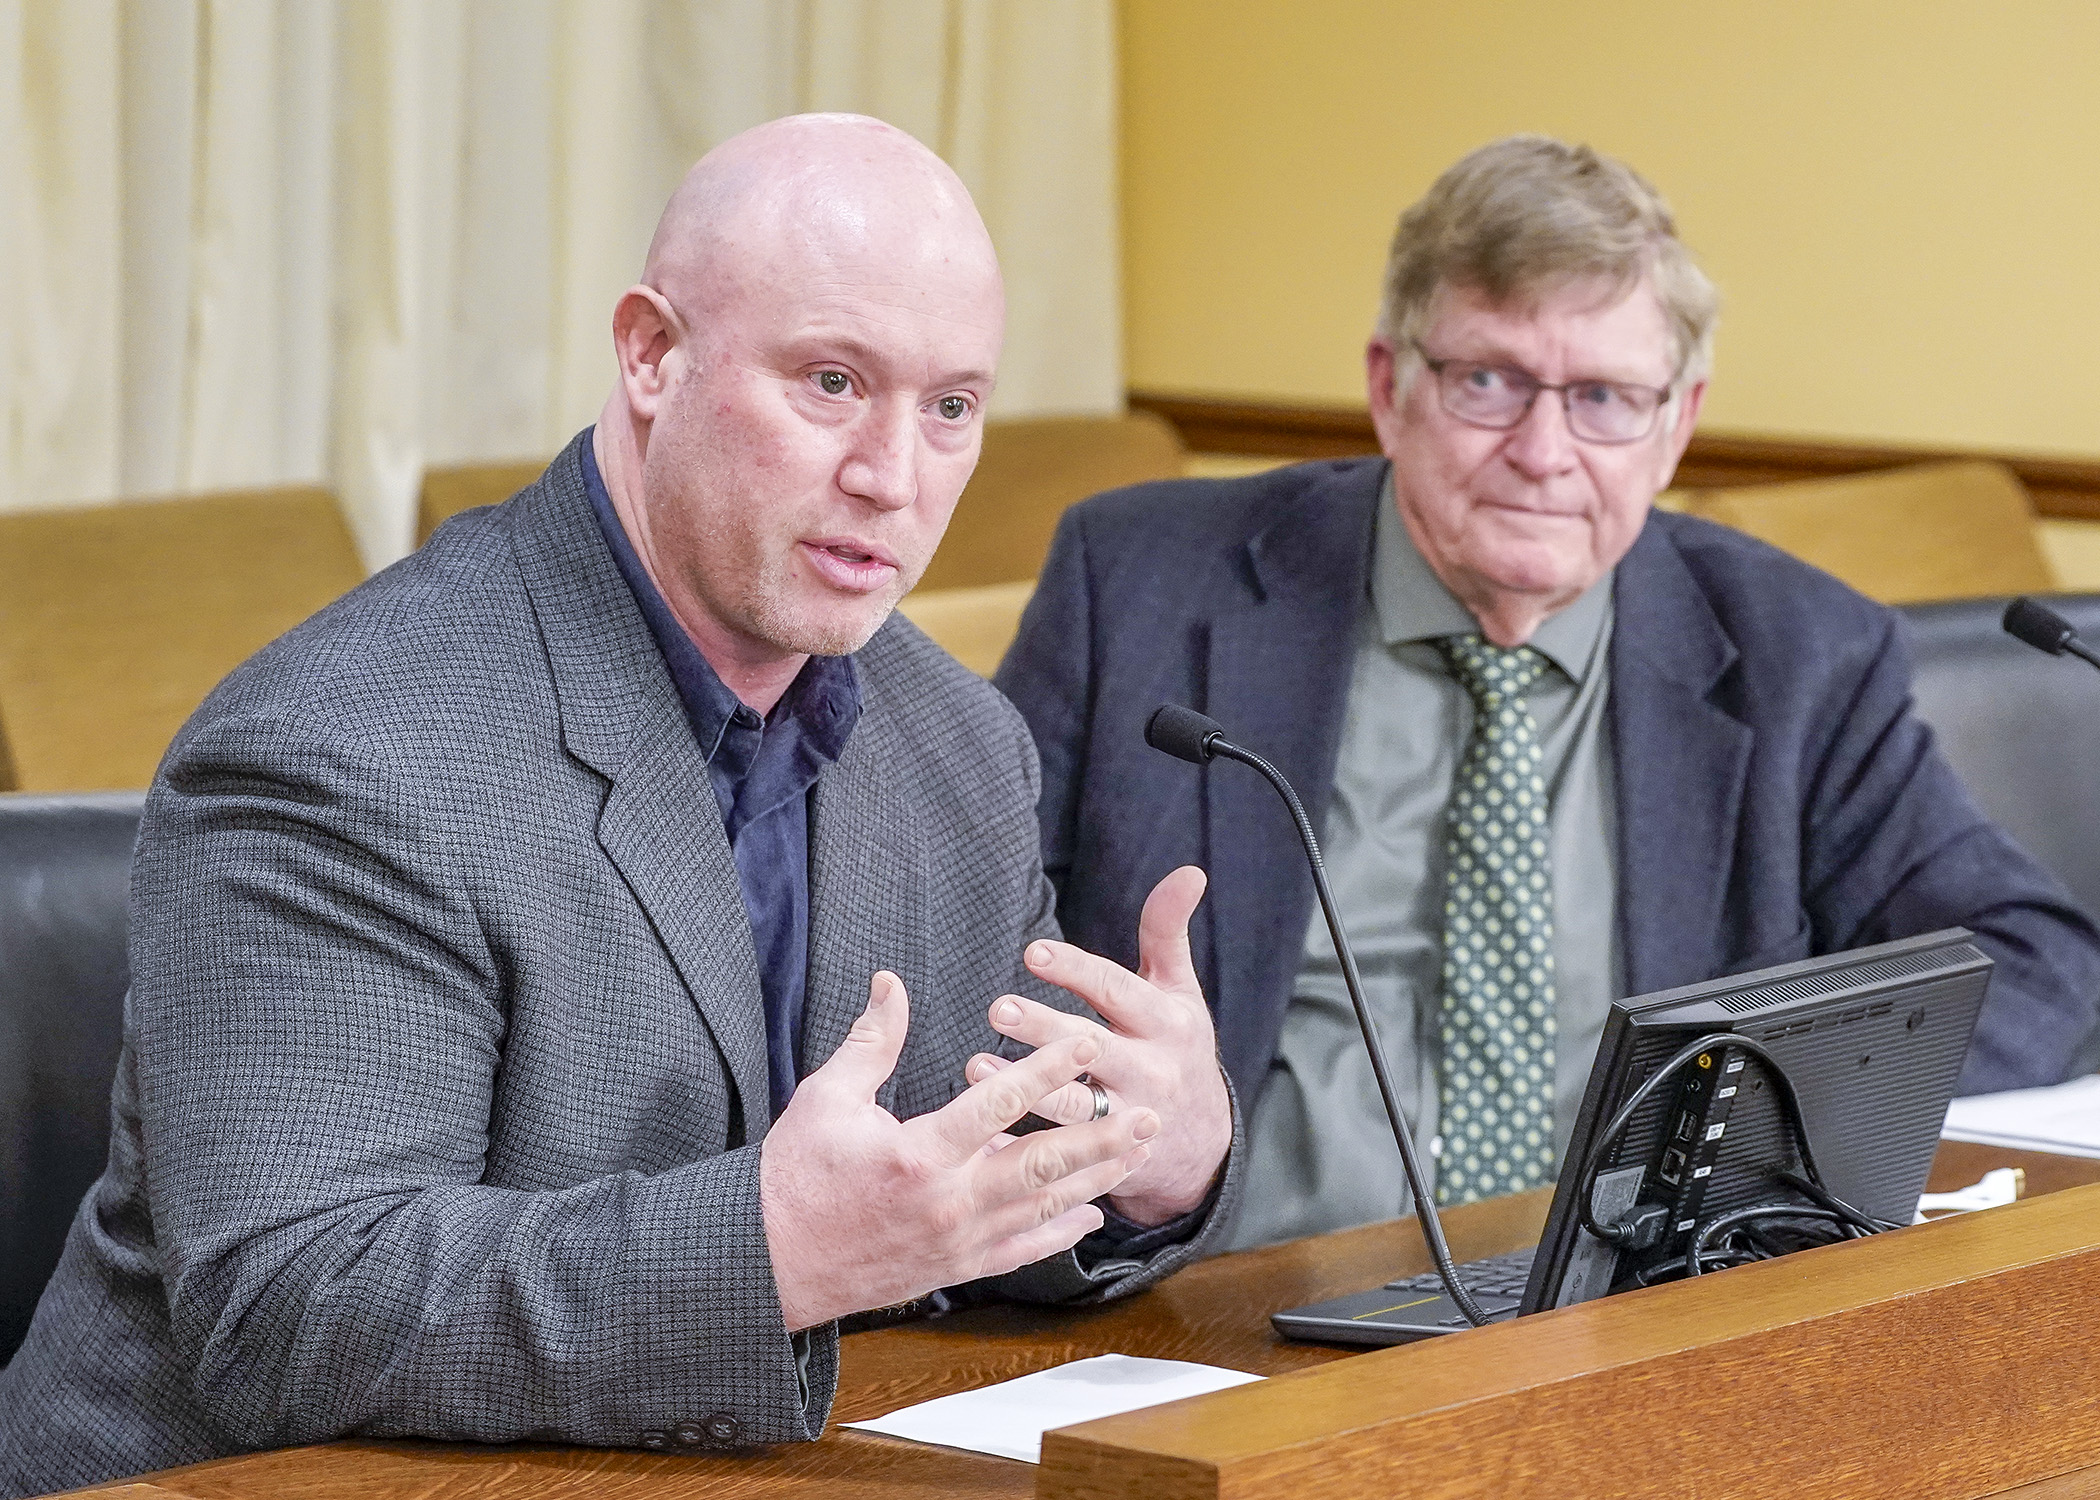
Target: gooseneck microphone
{"x":1194,"y":737}
{"x":2046,"y":630}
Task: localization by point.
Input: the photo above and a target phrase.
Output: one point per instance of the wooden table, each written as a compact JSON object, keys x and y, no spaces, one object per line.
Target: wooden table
{"x":1215,"y":1312}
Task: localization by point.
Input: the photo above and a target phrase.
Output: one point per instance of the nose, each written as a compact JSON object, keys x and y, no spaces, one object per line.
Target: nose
{"x":882,"y":463}
{"x":1542,"y":445}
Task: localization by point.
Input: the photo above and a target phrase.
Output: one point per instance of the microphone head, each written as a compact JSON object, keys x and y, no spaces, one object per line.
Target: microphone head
{"x":1182,"y":732}
{"x":2040,"y":627}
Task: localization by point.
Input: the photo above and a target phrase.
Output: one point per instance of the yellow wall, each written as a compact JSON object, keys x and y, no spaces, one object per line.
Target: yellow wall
{"x":1899,"y":200}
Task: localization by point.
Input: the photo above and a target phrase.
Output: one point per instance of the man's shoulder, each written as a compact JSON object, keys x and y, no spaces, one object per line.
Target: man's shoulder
{"x":448,"y":625}
{"x":1737,"y":571}
{"x":1781,"y":614}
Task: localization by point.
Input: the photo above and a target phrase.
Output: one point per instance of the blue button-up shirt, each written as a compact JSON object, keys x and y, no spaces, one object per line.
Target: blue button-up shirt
{"x":762,"y":769}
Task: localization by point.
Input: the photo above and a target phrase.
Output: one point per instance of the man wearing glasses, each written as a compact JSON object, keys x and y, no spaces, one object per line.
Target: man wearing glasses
{"x":1561,"y":748}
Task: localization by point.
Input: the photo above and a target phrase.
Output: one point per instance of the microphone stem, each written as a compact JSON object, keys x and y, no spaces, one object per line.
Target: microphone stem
{"x":1425,"y":1204}
{"x":2081,"y":650}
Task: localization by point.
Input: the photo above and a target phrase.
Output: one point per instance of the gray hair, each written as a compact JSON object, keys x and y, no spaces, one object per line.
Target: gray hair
{"x":1526,"y":214}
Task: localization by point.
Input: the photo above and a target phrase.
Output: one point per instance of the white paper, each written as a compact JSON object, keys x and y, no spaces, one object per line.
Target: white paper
{"x":2064,"y":1119}
{"x":1010,"y":1418}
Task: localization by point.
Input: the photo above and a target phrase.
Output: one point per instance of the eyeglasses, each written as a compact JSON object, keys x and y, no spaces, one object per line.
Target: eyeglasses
{"x":1498,"y":397}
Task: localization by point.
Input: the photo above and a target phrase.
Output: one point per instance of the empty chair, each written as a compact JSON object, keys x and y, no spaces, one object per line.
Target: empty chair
{"x":65,"y":866}
{"x":1029,"y":473}
{"x":2021,"y":728}
{"x":976,"y":625}
{"x":448,"y":491}
{"x":1930,"y":531}
{"x":116,"y":620}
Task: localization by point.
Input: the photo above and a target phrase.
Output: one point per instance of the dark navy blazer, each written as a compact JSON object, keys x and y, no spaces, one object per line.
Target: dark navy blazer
{"x":1777,"y":797}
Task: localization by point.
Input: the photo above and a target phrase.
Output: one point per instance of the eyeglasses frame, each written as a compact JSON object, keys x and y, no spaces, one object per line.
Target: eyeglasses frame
{"x":1664,"y":395}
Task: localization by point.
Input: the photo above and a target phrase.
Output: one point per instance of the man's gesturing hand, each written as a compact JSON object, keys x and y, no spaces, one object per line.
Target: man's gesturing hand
{"x":863,"y":1210}
{"x":1157,"y":1052}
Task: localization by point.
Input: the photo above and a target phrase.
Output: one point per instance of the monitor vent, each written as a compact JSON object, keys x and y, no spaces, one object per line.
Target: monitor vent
{"x":1851,"y":977}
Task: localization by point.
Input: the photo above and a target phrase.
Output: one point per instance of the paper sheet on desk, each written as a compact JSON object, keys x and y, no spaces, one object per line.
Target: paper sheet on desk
{"x":2064,"y":1119}
{"x":1010,"y":1418}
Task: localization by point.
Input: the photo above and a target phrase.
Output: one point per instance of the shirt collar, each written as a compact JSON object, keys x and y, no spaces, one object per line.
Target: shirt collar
{"x":1412,"y":604}
{"x":823,"y":701}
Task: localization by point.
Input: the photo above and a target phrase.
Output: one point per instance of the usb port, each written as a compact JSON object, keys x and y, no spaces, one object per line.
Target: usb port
{"x":1672,"y":1167}
{"x":1686,"y":1125}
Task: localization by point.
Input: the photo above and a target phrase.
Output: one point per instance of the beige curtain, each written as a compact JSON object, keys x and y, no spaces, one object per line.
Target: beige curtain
{"x":249,"y":242}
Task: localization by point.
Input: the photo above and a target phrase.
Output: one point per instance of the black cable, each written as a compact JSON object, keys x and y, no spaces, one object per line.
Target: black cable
{"x":1425,"y":1203}
{"x":1719,"y":1222}
{"x":1830,"y":1200}
{"x":1713,"y":1041}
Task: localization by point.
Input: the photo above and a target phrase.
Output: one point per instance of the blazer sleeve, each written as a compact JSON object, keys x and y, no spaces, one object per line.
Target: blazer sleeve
{"x":319,"y":1030}
{"x":1894,"y":845}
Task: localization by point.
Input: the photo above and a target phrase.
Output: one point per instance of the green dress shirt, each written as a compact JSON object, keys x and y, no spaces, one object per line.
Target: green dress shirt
{"x":1321,"y":1155}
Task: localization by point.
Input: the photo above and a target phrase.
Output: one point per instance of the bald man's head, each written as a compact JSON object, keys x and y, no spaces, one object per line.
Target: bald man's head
{"x":843,"y":179}
{"x":804,"y":368}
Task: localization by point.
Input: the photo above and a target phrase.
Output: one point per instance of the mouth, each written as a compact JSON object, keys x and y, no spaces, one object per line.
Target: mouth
{"x":851,"y":565}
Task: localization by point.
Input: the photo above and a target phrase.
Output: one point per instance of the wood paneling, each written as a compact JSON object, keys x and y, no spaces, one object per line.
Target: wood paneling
{"x":2066,"y":488}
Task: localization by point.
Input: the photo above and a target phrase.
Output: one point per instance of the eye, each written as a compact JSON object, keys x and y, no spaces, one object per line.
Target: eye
{"x":953,"y":408}
{"x":1596,"y":393}
{"x":833,"y":382}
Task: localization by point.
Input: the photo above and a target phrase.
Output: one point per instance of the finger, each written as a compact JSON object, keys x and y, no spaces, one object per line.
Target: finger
{"x":1043,"y":1241}
{"x":1071,"y":1105}
{"x":961,"y":1127}
{"x":868,"y":1055}
{"x":1126,"y":1002}
{"x":1038,"y":1025}
{"x":1050,"y":1161}
{"x":1050,"y":1203}
{"x":1163,"y":930}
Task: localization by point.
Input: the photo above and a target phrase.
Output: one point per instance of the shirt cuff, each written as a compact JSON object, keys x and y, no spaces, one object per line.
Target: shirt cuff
{"x":1122,"y":1239}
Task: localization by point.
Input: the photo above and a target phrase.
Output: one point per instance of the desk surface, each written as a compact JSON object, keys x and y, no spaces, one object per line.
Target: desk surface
{"x":1215,"y":1312}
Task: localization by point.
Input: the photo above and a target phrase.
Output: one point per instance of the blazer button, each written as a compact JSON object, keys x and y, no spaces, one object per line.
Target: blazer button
{"x":654,"y":1439}
{"x":689,"y":1435}
{"x":723,"y":1430}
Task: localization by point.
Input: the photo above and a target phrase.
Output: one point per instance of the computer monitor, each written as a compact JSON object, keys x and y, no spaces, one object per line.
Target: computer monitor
{"x":1871,"y":1041}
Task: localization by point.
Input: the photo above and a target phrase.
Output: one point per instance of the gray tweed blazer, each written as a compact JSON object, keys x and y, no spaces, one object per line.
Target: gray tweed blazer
{"x":444,"y":1062}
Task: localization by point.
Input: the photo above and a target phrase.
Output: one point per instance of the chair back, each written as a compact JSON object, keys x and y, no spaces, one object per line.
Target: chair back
{"x":448,"y":491}
{"x":2021,"y":728}
{"x":116,"y":620}
{"x":65,"y":869}
{"x":1929,"y":531}
{"x":1029,"y":472}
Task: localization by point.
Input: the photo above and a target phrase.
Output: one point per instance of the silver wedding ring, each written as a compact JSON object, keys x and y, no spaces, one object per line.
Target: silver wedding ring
{"x":1100,"y":1096}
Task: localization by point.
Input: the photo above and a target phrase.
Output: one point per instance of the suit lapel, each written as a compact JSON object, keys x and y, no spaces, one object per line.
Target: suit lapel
{"x":660,"y":824}
{"x":1280,"y":657}
{"x":867,"y":894}
{"x":1680,"y":761}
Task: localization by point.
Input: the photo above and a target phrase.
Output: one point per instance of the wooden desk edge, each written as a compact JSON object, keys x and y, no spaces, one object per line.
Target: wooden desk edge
{"x":1919,"y":1300}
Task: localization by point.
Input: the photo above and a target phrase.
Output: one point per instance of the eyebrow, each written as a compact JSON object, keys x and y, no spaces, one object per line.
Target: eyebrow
{"x":1502,"y":358}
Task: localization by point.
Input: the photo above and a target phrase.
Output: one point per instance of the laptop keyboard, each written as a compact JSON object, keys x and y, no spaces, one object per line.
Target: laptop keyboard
{"x":1495,"y":1276}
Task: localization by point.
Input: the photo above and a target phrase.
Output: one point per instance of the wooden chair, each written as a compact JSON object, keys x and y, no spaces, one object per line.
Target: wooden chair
{"x":447,"y":492}
{"x":1029,"y":472}
{"x":975,"y":625}
{"x":116,"y":620}
{"x":1959,"y":530}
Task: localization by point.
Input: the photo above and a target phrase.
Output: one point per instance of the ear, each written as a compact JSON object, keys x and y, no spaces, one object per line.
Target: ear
{"x":1382,"y":386}
{"x":646,"y":338}
{"x":1681,"y":434}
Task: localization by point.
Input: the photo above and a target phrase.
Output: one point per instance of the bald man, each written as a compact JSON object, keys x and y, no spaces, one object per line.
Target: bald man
{"x":582,"y":966}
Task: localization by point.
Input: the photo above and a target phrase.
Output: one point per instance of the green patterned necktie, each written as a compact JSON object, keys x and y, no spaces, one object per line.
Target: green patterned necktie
{"x":1496,"y":1095}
